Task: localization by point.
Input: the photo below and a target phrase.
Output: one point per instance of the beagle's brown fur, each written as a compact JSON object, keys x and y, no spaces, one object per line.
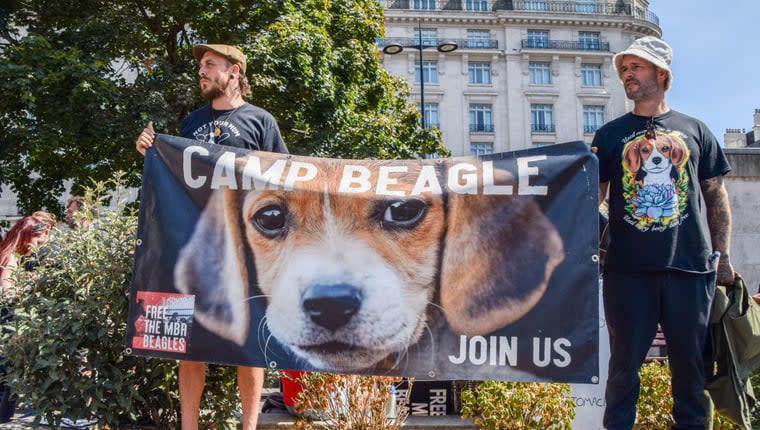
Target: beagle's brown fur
{"x":350,"y":278}
{"x":646,"y":156}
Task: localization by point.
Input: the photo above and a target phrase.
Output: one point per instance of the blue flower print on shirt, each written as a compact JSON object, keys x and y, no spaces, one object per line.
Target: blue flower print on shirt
{"x":656,"y":201}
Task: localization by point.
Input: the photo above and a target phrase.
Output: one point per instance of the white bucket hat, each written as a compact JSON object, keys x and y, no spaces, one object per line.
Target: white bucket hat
{"x":652,"y":49}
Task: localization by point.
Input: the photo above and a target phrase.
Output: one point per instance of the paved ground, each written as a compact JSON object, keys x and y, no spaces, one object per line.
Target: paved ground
{"x":273,"y":420}
{"x":280,"y":420}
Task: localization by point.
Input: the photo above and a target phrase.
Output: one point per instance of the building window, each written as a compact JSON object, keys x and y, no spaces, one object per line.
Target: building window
{"x":585,"y":6}
{"x":589,"y":40}
{"x":429,"y":36}
{"x":429,"y":72}
{"x":541,"y":118}
{"x":593,"y":118}
{"x":423,"y":4}
{"x":481,"y":149}
{"x":478,"y":38}
{"x":479,"y":73}
{"x":431,"y":115}
{"x":535,"y":5}
{"x":481,"y":118}
{"x":538,"y":39}
{"x":591,"y":75}
{"x":476,"y":5}
{"x":540,"y":73}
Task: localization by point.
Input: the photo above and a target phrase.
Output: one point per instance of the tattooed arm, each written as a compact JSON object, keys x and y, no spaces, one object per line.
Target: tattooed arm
{"x":719,"y":221}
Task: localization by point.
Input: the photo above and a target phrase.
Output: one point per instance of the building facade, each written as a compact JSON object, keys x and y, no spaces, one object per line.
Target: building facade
{"x":740,"y":138}
{"x":525,"y":72}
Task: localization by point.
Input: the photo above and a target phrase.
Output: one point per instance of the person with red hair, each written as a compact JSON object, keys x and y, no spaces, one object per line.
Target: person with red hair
{"x":28,"y":232}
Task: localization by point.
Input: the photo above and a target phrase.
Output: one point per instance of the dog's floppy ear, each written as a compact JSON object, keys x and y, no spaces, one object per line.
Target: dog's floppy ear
{"x":677,"y":152}
{"x":499,"y":254}
{"x":211,"y":266}
{"x":631,"y":157}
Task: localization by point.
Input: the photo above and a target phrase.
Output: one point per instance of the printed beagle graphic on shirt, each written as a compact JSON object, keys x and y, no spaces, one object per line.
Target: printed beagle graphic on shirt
{"x":655,"y":180}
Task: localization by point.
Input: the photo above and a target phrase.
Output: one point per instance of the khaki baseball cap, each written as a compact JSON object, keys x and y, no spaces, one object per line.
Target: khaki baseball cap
{"x":231,"y":53}
{"x":652,"y":49}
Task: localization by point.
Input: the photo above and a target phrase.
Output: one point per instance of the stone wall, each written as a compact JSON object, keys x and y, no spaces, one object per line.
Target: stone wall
{"x":743,"y":185}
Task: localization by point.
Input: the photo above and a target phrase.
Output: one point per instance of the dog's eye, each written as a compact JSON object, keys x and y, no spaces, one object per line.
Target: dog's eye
{"x":404,"y":213}
{"x":270,"y":220}
{"x":665,"y":148}
{"x":645,"y":150}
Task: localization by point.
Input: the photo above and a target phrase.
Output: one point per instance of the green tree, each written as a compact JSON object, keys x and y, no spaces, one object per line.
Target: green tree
{"x":80,"y":79}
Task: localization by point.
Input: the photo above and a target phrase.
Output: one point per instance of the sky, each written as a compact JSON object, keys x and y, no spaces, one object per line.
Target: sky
{"x":716,"y":59}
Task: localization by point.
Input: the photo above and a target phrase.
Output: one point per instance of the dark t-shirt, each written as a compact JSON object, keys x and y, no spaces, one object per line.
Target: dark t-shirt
{"x":247,"y":126}
{"x":656,"y":219}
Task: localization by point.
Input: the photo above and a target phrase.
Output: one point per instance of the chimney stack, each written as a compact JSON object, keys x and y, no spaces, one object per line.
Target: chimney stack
{"x":734,"y":138}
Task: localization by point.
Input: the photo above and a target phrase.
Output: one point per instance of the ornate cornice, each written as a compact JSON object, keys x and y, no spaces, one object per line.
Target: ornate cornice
{"x":502,"y":18}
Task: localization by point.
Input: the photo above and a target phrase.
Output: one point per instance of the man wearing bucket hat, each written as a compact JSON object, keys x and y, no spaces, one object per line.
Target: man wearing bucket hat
{"x":663,"y":259}
{"x":226,"y":120}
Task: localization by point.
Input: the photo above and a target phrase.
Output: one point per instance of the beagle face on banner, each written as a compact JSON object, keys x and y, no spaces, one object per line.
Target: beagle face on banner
{"x":350,"y":279}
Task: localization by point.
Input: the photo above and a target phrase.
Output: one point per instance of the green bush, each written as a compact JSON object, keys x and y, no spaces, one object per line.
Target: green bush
{"x":497,"y":405}
{"x":64,"y":345}
{"x":755,"y":381}
{"x":656,"y":400}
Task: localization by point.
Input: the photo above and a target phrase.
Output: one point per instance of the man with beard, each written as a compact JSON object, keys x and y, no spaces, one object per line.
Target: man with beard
{"x":226,"y":120}
{"x":663,"y":259}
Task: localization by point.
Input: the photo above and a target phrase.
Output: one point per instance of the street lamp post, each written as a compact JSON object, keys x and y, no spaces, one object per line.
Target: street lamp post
{"x":444,"y":47}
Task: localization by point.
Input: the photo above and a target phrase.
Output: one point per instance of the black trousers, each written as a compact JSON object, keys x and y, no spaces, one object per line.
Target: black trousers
{"x":634,"y":303}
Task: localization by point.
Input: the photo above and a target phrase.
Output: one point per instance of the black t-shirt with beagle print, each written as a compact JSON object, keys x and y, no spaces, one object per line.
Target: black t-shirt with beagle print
{"x":656,"y":220}
{"x":247,"y":126}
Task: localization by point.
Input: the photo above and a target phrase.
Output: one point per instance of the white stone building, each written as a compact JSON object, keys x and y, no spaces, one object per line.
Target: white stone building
{"x":740,"y":138}
{"x":526,"y":72}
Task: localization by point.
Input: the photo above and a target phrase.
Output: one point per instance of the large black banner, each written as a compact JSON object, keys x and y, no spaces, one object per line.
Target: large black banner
{"x":461,"y":268}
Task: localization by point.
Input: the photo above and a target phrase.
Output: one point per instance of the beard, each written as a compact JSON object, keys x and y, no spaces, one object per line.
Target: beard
{"x":644,"y":89}
{"x":215,"y":89}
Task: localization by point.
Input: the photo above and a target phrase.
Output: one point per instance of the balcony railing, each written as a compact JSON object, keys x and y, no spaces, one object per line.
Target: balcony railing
{"x":590,"y":129}
{"x":484,"y":128}
{"x":620,"y":7}
{"x":409,"y":42}
{"x":613,"y":8}
{"x":478,"y":44}
{"x":542,"y":128}
{"x":572,"y":45}
{"x":466,"y":5}
{"x":647,"y":15}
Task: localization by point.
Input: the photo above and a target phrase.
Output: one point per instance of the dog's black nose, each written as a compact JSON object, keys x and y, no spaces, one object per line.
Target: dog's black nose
{"x":331,"y":306}
{"x":657,"y":160}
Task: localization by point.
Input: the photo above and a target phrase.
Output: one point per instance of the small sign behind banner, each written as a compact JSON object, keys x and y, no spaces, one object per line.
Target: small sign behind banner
{"x":428,"y":398}
{"x":463,"y":268}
